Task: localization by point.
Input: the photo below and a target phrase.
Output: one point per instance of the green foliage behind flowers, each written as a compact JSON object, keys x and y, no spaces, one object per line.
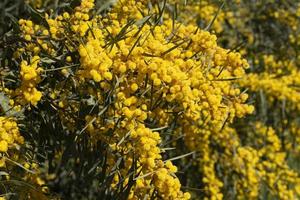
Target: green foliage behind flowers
{"x":137,"y":100}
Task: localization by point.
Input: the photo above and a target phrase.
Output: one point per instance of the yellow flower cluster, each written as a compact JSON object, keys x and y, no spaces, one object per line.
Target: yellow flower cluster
{"x":277,"y":67}
{"x":246,"y":162}
{"x":202,"y":13}
{"x":263,"y":162}
{"x":282,"y":88}
{"x":283,"y":180}
{"x":293,"y":144}
{"x":146,"y":145}
{"x":34,"y":36}
{"x":167,"y":184}
{"x":94,"y":67}
{"x":27,"y":28}
{"x":27,"y":92}
{"x":79,"y":20}
{"x":9,"y":135}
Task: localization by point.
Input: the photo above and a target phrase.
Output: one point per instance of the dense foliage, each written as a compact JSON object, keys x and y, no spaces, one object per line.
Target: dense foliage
{"x":148,"y":99}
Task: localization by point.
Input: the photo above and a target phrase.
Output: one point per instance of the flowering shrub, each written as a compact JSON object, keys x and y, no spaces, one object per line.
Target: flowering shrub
{"x":138,"y":100}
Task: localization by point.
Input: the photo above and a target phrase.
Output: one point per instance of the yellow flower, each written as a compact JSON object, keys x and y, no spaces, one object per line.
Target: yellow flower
{"x":134,"y":87}
{"x":3,"y":146}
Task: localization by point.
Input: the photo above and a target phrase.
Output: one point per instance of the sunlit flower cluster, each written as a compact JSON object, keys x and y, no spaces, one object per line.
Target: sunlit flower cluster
{"x":27,"y":92}
{"x":9,"y":134}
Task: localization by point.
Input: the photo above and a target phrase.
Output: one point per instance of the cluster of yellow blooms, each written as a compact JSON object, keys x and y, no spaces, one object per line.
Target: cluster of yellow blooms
{"x":9,"y":134}
{"x":249,"y":167}
{"x":153,"y":83}
{"x":27,"y":92}
{"x":274,"y":169}
{"x":11,"y":159}
{"x":276,"y":88}
{"x":202,"y":13}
